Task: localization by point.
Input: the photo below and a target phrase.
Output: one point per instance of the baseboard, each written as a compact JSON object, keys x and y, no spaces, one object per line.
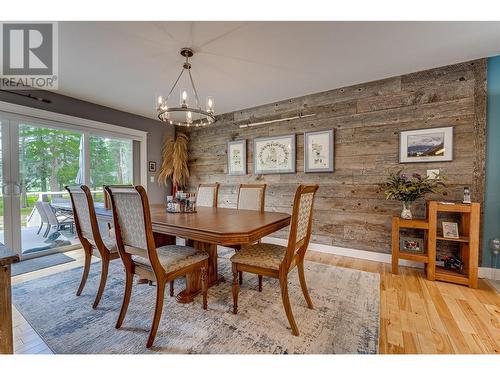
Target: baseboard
{"x":488,"y":273}
{"x":483,"y":272}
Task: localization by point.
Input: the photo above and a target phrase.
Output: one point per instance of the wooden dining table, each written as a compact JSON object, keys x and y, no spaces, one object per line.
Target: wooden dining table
{"x":205,"y":229}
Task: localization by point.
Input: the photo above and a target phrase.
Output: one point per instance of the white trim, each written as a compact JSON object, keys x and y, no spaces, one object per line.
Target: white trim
{"x":99,"y":127}
{"x":489,"y":273}
{"x":483,"y":272}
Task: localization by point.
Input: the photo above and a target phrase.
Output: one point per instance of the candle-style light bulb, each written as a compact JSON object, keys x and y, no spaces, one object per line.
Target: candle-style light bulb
{"x":210,"y":104}
{"x":159,"y":102}
{"x":184,"y":97}
{"x":189,"y":117}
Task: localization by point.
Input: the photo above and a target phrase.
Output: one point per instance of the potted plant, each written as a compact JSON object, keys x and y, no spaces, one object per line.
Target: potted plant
{"x":175,"y":162}
{"x":407,"y":189}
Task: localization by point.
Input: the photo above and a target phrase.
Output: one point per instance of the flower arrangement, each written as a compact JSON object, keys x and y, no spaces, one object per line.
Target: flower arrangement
{"x":407,"y":189}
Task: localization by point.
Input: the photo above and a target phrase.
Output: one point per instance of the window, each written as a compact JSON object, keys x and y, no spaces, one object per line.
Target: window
{"x":111,"y":163}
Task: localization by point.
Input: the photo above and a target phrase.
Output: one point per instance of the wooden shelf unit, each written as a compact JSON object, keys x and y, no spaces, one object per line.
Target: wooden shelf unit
{"x":427,"y":258}
{"x":468,"y":242}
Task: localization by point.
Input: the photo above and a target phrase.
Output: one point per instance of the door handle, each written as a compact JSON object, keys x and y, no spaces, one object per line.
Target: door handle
{"x":17,"y":188}
{"x":6,"y":190}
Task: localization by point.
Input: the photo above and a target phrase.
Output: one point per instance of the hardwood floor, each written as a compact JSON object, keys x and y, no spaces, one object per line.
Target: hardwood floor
{"x":416,"y":315}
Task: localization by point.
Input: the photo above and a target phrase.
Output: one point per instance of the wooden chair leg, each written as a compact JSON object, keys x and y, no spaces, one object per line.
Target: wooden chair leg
{"x":160,"y":295}
{"x":204,"y":286}
{"x":126,"y":298}
{"x":39,"y":229}
{"x":86,"y":268}
{"x":172,"y":288}
{"x":102,"y":284}
{"x":303,"y":285}
{"x":236,"y":289}
{"x":240,"y":277}
{"x":287,"y":306}
{"x":260,"y":283}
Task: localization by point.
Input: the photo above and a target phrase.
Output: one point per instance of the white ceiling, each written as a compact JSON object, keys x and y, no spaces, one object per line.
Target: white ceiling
{"x":123,"y":65}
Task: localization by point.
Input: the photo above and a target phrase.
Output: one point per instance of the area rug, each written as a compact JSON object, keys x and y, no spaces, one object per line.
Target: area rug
{"x":36,"y":264}
{"x":345,"y":318}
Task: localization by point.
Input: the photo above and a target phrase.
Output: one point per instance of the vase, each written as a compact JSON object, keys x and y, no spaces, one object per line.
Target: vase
{"x":406,"y":212}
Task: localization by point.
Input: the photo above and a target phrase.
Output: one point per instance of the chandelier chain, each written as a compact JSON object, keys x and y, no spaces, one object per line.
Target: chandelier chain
{"x":194,"y":89}
{"x":175,"y":84}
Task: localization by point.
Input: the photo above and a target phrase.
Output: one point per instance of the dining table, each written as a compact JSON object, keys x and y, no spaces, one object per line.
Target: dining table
{"x":204,"y":230}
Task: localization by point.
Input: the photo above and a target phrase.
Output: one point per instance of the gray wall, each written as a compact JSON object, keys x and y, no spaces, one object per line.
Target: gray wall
{"x":156,"y":130}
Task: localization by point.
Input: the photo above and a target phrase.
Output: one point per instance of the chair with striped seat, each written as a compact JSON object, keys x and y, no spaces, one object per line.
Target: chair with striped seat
{"x":277,"y":261}
{"x":136,"y":245}
{"x":90,"y":237}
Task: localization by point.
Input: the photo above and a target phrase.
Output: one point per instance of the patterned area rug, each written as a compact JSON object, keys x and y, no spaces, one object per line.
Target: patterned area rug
{"x":345,"y":318}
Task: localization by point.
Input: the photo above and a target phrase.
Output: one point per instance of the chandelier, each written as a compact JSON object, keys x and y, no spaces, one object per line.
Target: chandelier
{"x":185,"y":114}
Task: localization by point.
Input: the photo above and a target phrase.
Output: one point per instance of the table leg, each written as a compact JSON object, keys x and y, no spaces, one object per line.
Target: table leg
{"x":6,"y":341}
{"x":193,"y":280}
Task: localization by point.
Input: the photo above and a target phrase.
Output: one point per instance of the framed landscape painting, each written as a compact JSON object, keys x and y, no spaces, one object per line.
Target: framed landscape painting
{"x":237,"y":158}
{"x":318,"y":151}
{"x":426,"y":145}
{"x":274,"y":154}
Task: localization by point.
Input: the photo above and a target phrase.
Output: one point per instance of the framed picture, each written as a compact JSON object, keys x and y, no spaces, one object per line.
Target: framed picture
{"x":426,"y":145}
{"x":450,"y":230}
{"x":318,"y":151}
{"x":151,"y":166}
{"x":411,"y":245}
{"x":237,"y":158}
{"x":274,"y":154}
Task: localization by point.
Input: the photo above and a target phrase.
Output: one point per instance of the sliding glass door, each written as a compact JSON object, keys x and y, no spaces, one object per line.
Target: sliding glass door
{"x":5,"y":193}
{"x":111,"y":163}
{"x":49,"y":159}
{"x":37,"y":160}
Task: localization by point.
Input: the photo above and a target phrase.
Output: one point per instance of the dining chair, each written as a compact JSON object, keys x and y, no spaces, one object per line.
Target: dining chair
{"x":107,"y":199}
{"x":251,"y":197}
{"x":140,"y":256}
{"x":87,"y":229}
{"x":43,"y":217}
{"x":207,"y":195}
{"x":277,"y":261}
{"x":56,"y":221}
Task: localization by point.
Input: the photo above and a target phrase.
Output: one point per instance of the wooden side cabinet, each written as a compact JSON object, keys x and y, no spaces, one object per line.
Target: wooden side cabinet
{"x":427,"y":257}
{"x":7,"y":257}
{"x":468,"y":242}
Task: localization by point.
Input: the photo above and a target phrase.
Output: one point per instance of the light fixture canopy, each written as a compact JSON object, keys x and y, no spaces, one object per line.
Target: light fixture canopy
{"x":184,"y":114}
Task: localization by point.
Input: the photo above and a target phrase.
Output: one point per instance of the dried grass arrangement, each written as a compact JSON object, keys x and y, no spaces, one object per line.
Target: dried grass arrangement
{"x":175,"y":161}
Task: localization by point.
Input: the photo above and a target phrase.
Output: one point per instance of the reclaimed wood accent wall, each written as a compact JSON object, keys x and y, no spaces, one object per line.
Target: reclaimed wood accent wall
{"x":350,"y":210}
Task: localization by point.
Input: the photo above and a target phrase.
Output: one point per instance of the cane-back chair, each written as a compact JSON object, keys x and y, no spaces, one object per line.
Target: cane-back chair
{"x":140,"y":256}
{"x":277,"y":261}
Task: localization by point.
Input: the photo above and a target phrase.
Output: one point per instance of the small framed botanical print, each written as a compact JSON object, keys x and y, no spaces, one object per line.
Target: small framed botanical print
{"x":237,"y":157}
{"x":152,"y":166}
{"x":450,"y":230}
{"x":426,"y":145}
{"x":274,"y":154}
{"x":318,"y":151}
